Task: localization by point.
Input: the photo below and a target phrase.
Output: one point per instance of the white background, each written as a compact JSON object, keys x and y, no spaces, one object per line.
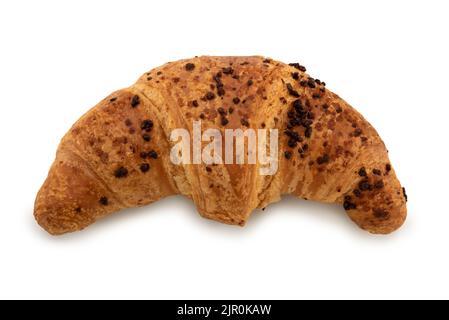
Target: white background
{"x":389,"y":59}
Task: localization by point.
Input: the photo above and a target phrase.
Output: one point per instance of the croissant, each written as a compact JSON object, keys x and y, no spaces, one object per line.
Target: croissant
{"x":120,"y":153}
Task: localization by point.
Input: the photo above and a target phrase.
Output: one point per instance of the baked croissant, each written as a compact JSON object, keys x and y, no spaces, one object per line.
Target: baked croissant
{"x":118,"y":155}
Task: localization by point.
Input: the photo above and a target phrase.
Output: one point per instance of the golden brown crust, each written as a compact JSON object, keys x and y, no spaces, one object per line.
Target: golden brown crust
{"x":117,"y":155}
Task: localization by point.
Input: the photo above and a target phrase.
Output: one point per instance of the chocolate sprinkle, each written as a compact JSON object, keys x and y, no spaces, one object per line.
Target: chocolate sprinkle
{"x":405,"y":194}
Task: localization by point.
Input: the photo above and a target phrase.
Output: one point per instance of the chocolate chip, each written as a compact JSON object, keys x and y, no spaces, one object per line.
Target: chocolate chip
{"x":146,"y":137}
{"x":287,"y":155}
{"x":228,"y":70}
{"x":222,"y":111}
{"x":357,"y":193}
{"x":195,"y":103}
{"x":338,"y":109}
{"x":297,"y":105}
{"x":362,"y":172}
{"x":210,"y":95}
{"x":308,"y":132}
{"x":153,"y":154}
{"x":364,"y":185}
{"x":221,"y":91}
{"x":323,"y":159}
{"x":381,"y":214}
{"x":144,"y":167}
{"x":128,"y":122}
{"x":190,"y":66}
{"x":143,"y":155}
{"x":293,"y":135}
{"x":135,"y":100}
{"x":357,"y":132}
{"x":295,"y":75}
{"x":224,"y":121}
{"x":244,"y":122}
{"x":104,"y":201}
{"x":349,"y":205}
{"x":311,"y":83}
{"x":112,"y":99}
{"x":388,"y":167}
{"x":121,"y":172}
{"x":202,"y":116}
{"x":379,"y":184}
{"x":292,"y":143}
{"x":292,"y":91}
{"x":146,"y":125}
{"x":250,"y":82}
{"x":231,"y":110}
{"x":298,"y":66}
{"x":377,"y":172}
{"x":209,"y":169}
{"x":236,"y":100}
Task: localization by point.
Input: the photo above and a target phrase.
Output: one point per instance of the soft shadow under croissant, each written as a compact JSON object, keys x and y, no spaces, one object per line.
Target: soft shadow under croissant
{"x":118,"y":154}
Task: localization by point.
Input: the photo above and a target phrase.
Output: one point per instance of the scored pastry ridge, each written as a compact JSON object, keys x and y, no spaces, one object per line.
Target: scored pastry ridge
{"x":118,"y":154}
